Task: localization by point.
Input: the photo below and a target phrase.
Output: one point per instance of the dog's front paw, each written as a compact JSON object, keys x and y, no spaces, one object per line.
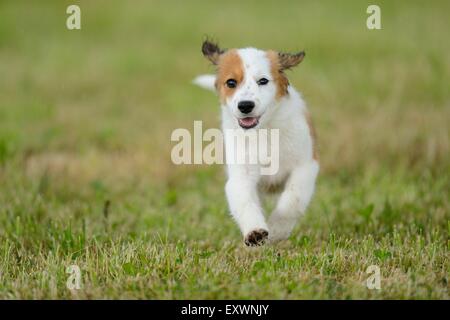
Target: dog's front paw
{"x":256,"y":237}
{"x":278,"y":235}
{"x":280,"y":228}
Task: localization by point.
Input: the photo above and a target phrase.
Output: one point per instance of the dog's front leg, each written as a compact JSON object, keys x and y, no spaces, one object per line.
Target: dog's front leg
{"x":243,"y":200}
{"x":293,"y":201}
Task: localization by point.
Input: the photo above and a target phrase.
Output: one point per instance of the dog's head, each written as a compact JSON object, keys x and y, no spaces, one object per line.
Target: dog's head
{"x":250,"y":81}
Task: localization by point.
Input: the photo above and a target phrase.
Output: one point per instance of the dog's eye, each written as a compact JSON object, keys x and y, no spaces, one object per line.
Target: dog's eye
{"x":231,"y":83}
{"x":262,"y":81}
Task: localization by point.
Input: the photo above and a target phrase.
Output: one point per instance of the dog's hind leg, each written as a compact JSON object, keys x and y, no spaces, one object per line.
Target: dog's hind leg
{"x":293,"y":200}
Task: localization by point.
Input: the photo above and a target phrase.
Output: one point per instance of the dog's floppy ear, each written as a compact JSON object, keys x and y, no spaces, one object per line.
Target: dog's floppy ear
{"x":211,"y":51}
{"x":289,"y":60}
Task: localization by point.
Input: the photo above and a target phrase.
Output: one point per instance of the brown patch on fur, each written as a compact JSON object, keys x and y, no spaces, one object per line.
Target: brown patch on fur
{"x":312,"y":132}
{"x":278,"y":75}
{"x":230,"y":66}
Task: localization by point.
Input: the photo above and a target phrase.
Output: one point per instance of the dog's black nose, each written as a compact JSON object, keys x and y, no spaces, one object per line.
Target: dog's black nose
{"x":246,"y":106}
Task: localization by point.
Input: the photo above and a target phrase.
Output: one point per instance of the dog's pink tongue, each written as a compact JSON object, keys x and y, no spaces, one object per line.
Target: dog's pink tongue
{"x":248,"y":122}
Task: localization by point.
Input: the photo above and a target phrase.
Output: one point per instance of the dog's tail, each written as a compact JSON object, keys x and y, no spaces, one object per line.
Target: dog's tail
{"x":206,"y":81}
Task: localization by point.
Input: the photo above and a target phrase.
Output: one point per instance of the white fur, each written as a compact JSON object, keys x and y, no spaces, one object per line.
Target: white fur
{"x":206,"y":81}
{"x":297,"y":168}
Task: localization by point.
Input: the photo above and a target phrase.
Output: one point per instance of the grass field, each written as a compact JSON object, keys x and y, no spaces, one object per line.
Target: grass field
{"x":85,"y":171}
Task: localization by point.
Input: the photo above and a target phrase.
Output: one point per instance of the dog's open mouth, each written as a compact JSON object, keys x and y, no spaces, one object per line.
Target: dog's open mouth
{"x":249,"y":122}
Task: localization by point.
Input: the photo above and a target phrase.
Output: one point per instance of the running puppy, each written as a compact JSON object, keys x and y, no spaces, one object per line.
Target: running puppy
{"x":255,"y":94}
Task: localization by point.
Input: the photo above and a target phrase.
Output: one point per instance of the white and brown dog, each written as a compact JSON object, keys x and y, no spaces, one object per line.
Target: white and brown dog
{"x":255,"y":94}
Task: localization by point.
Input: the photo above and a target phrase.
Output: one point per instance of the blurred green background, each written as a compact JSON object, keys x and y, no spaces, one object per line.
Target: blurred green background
{"x":85,"y":171}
